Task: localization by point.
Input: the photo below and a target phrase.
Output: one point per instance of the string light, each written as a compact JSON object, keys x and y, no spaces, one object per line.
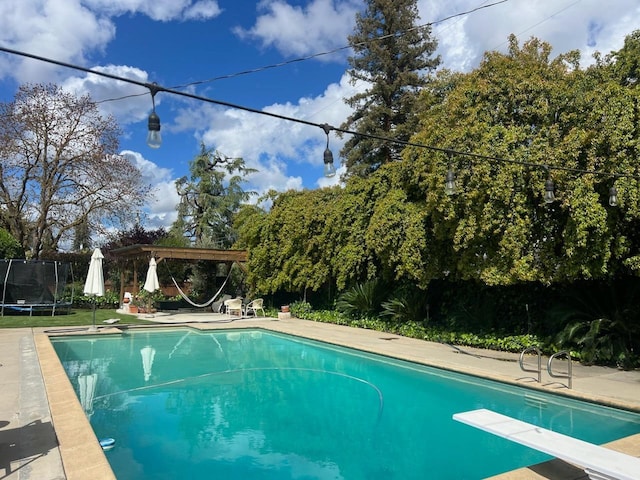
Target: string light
{"x":613,"y":197}
{"x":154,"y":139}
{"x":329,"y":169}
{"x":450,"y":182}
{"x":154,"y":87}
{"x":549,"y":191}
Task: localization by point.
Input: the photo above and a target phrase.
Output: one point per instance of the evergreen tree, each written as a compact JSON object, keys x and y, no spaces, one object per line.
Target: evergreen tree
{"x":392,"y":55}
{"x":209,"y":198}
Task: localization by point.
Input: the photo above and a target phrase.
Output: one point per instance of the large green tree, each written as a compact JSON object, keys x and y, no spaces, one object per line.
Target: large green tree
{"x":398,"y":225}
{"x":60,"y":168}
{"x":210,"y":197}
{"x":539,"y":111}
{"x":313,"y":239}
{"x":289,"y":248}
{"x":392,"y":57}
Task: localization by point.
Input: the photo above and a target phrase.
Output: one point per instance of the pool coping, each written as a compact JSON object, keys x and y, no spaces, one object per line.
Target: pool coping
{"x":82,"y":456}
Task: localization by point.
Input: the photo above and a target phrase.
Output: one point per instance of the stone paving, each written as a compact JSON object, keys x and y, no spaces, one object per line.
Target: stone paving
{"x":44,"y":434}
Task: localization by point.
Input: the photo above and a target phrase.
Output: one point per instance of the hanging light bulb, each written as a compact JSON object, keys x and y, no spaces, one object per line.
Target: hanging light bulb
{"x":154,"y":139}
{"x":613,"y":197}
{"x":549,"y":191}
{"x":450,"y":183}
{"x":329,"y":168}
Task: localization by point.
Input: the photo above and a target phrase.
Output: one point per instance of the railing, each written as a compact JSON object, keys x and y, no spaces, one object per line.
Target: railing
{"x":568,"y":375}
{"x":525,"y":369}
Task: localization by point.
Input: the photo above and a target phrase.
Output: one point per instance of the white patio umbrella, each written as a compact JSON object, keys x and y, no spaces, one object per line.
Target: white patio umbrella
{"x":94,"y":284}
{"x":87,"y":385}
{"x":151,"y":283}
{"x":148,"y":354}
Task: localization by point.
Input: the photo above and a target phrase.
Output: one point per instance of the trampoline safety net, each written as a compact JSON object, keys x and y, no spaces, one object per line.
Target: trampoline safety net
{"x":29,"y":285}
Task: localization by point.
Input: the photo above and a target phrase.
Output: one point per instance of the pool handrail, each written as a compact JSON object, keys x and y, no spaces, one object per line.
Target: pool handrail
{"x":525,"y":369}
{"x":568,"y":375}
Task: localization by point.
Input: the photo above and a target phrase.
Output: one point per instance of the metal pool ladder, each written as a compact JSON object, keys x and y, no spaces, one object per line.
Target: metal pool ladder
{"x":569,"y":374}
{"x":536,"y":370}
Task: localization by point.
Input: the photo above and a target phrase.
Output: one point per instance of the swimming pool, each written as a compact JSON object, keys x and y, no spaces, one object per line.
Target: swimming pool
{"x":251,"y":404}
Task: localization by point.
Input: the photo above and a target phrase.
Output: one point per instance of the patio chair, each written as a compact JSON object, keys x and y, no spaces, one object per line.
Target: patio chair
{"x":254,"y":306}
{"x":234,"y":306}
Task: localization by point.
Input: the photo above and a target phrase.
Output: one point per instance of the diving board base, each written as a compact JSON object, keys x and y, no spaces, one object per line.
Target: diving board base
{"x":599,"y":463}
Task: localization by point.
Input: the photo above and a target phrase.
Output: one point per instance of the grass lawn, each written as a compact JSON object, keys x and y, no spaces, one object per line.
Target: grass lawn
{"x":76,"y":317}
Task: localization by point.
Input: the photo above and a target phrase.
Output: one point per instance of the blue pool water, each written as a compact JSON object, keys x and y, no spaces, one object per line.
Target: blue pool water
{"x":240,"y":404}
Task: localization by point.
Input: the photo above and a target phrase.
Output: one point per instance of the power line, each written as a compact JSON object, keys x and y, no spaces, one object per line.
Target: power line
{"x":336,"y":50}
{"x":541,"y":21}
{"x":319,"y":54}
{"x":155,"y":88}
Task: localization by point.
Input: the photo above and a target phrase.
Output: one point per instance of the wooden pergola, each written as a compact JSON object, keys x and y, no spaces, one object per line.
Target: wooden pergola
{"x":145,"y":252}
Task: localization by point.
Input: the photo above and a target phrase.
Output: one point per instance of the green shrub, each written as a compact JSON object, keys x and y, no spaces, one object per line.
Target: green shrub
{"x":361,"y":300}
{"x":300,"y":309}
{"x":109,"y":300}
{"x":9,"y":246}
{"x":602,"y":341}
{"x":601,"y":322}
{"x":406,"y":304}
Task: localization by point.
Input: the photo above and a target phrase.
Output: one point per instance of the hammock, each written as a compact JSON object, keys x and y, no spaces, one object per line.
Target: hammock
{"x":208,"y":302}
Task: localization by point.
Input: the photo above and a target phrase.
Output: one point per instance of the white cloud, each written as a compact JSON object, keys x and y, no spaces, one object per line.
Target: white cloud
{"x":294,"y":30}
{"x":163,"y":198}
{"x":274,"y":147}
{"x":202,"y":10}
{"x":128,"y":103}
{"x":69,"y":30}
{"x":60,"y":30}
{"x":567,"y":25}
{"x":162,"y":10}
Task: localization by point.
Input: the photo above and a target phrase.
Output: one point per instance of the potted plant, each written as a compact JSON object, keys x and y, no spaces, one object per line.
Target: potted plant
{"x":148,"y":300}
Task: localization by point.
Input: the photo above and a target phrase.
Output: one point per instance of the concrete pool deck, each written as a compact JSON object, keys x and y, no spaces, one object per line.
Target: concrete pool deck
{"x":45,"y":435}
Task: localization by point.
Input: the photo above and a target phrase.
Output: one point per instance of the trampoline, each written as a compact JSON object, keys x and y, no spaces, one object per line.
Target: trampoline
{"x":34,"y":285}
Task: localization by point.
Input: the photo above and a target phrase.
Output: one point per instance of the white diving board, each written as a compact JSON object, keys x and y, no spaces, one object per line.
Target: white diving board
{"x":599,"y":463}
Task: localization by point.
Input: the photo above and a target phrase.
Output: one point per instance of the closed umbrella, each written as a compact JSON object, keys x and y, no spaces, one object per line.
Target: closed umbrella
{"x":148,"y":354}
{"x":95,"y":281}
{"x":151,"y":283}
{"x":87,"y":385}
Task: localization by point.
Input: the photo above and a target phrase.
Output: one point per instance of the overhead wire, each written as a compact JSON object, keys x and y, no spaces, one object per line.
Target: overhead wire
{"x":339,"y":49}
{"x":540,"y":22}
{"x":156,"y":88}
{"x":316,"y":55}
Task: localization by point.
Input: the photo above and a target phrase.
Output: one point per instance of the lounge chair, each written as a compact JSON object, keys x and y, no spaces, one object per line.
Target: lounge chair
{"x":254,"y":306}
{"x":598,"y":462}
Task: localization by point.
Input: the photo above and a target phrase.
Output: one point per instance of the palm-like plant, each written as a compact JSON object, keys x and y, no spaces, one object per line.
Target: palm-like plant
{"x":603,"y":324}
{"x":407,"y":304}
{"x":361,"y":300}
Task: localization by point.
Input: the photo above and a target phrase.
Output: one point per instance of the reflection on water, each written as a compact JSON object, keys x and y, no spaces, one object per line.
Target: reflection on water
{"x":251,"y":404}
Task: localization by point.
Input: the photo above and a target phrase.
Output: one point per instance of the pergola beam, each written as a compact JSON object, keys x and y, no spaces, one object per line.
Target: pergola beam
{"x":182,"y":253}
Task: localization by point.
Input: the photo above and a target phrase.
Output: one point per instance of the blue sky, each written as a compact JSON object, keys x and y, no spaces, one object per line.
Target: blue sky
{"x":178,"y":42}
